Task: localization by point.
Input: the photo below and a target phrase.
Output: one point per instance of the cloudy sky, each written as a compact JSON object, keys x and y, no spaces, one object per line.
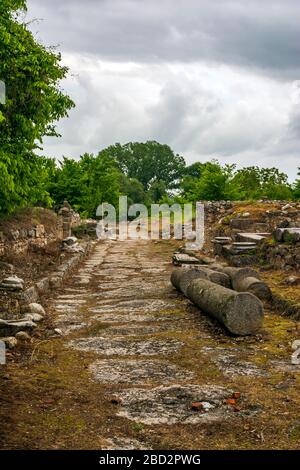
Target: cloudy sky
{"x":211,"y":78}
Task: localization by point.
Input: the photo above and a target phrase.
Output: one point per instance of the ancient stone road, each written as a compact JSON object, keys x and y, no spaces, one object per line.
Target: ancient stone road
{"x":125,"y":286}
{"x":139,"y":367}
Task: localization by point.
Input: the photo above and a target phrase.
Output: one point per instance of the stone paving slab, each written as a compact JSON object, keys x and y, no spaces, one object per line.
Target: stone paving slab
{"x":137,"y":372}
{"x":173,"y":404}
{"x":123,"y":347}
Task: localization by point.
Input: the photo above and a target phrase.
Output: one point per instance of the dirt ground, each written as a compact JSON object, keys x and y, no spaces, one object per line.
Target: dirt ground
{"x":138,"y":367}
{"x":38,"y":261}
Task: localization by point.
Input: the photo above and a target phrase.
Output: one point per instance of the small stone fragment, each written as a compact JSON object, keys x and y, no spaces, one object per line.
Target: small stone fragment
{"x":36,"y":308}
{"x":23,"y":336}
{"x":10,"y":342}
{"x":293,"y":280}
{"x":58,"y":331}
{"x":70,"y":241}
{"x":35,"y":317}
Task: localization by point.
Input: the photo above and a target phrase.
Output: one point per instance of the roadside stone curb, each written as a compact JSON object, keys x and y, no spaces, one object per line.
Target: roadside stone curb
{"x":55,"y":280}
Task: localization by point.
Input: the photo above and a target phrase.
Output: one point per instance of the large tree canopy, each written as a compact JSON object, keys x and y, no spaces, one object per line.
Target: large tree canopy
{"x":34,"y":102}
{"x":148,"y":162}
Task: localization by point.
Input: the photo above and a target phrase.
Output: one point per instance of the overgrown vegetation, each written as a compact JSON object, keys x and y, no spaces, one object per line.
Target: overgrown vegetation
{"x":34,"y":102}
{"x":146,"y":172}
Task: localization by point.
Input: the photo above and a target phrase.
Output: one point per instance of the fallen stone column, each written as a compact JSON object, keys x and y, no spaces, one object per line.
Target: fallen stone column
{"x":255,"y":286}
{"x":214,"y":276}
{"x":181,"y":278}
{"x":237,"y":274}
{"x":240,"y":312}
{"x":248,"y":280}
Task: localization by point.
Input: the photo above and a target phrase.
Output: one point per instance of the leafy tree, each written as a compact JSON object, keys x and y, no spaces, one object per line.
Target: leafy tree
{"x":158,"y":191}
{"x":212,"y":181}
{"x":66,"y":183}
{"x":100,"y":180}
{"x":194,"y":170}
{"x":190,"y":179}
{"x":86,"y":183}
{"x":134,"y":190}
{"x":34,"y":102}
{"x":215,"y":182}
{"x":296,"y":192}
{"x":148,"y":162}
{"x":254,"y":183}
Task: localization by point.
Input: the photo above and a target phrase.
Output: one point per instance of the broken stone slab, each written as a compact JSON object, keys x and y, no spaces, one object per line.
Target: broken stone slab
{"x":219,"y":242}
{"x":13,"y":327}
{"x":232,"y":250}
{"x":222,"y":240}
{"x":242,"y":223}
{"x":12,"y":283}
{"x":244,"y":245}
{"x":283,"y":234}
{"x":182,"y":258}
{"x":252,"y":237}
{"x":181,"y":278}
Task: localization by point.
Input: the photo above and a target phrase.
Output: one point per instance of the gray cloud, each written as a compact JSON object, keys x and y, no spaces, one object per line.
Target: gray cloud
{"x":210,"y":78}
{"x":256,"y":34}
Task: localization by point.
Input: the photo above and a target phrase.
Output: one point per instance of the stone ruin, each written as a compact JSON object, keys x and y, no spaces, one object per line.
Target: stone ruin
{"x":272,"y":237}
{"x":70,"y":219}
